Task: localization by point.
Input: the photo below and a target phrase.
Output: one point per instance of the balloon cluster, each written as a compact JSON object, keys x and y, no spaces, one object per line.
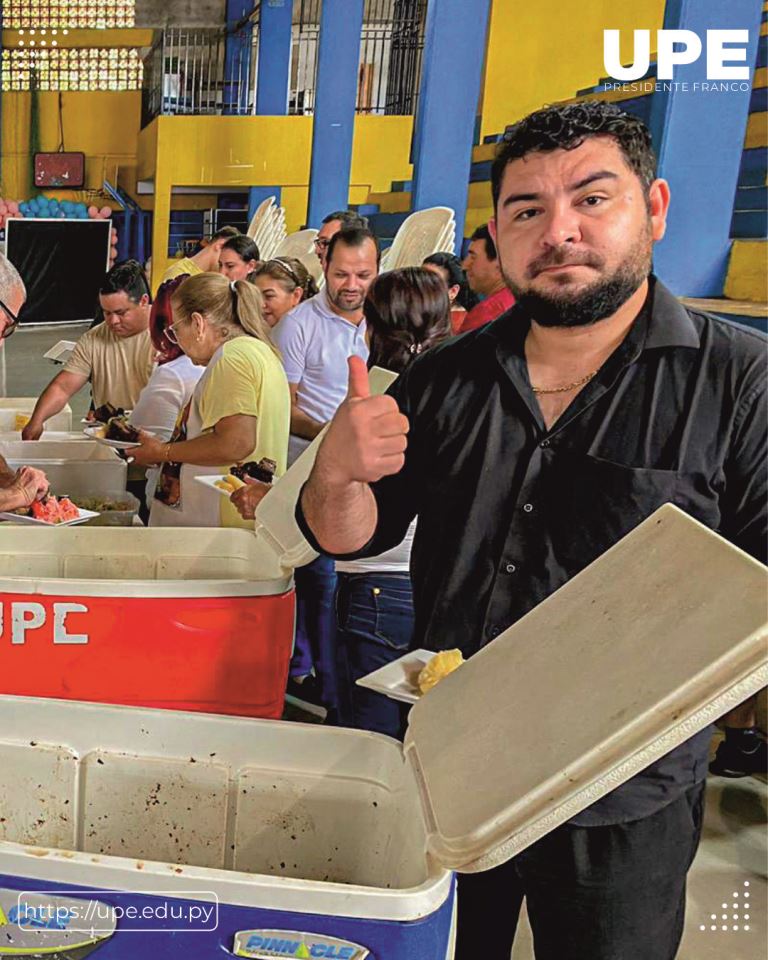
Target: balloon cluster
{"x":49,"y":208}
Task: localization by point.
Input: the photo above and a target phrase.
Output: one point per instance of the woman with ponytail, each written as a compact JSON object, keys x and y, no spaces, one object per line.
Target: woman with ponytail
{"x":240,"y":409}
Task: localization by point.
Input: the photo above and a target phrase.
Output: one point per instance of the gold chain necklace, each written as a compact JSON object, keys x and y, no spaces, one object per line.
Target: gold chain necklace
{"x":567,"y":387}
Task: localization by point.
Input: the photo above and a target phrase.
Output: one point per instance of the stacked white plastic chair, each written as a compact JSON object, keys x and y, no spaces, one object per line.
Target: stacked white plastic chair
{"x":314,"y":268}
{"x":297,"y":244}
{"x":301,"y":245}
{"x":421,"y":234}
{"x":267,"y":227}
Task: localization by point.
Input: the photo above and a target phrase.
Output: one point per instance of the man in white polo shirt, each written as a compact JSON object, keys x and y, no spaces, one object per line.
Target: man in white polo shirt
{"x":316,"y":337}
{"x":315,"y":340}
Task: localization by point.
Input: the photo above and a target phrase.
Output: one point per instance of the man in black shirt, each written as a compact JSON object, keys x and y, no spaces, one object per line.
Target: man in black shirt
{"x":528,"y":448}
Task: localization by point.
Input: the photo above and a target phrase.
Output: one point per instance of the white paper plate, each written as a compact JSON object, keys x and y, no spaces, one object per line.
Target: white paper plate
{"x":16,"y":518}
{"x":210,"y":480}
{"x":397,"y":680}
{"x":95,"y":433}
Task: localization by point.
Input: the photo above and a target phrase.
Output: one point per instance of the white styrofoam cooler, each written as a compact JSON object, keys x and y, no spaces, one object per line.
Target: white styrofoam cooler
{"x":52,"y":447}
{"x":15,"y":409}
{"x":73,"y":467}
{"x":343,"y":842}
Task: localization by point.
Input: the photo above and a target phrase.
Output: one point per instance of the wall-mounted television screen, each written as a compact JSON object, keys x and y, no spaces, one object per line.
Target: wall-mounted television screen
{"x":62,"y":264}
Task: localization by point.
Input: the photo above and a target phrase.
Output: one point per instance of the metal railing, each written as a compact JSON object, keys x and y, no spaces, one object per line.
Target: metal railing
{"x":188,"y":72}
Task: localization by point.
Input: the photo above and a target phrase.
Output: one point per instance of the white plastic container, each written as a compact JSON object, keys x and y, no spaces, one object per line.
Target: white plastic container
{"x":52,"y":448}
{"x":71,"y":435}
{"x":16,"y":411}
{"x":302,"y":832}
{"x":87,"y":475}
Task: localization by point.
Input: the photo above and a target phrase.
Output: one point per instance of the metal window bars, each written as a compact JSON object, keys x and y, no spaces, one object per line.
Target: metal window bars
{"x":187,"y":70}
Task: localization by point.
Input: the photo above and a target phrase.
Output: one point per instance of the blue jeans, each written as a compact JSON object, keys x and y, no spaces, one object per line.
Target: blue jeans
{"x":315,"y":646}
{"x":374,"y":612}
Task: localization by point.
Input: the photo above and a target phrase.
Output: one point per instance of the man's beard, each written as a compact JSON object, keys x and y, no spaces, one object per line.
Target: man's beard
{"x":345,"y":305}
{"x":588,"y":304}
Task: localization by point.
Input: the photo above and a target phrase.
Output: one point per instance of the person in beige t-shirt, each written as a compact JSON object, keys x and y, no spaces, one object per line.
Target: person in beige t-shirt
{"x":117,"y":355}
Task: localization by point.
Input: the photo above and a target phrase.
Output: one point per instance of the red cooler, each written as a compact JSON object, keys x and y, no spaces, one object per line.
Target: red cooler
{"x":186,"y":618}
{"x":192,"y":619}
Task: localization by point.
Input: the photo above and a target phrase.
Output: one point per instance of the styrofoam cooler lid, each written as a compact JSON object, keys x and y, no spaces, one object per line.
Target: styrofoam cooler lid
{"x":275,"y":515}
{"x":655,"y":640}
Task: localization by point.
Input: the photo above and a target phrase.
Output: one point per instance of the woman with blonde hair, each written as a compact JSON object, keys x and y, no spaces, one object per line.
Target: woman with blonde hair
{"x":240,"y":409}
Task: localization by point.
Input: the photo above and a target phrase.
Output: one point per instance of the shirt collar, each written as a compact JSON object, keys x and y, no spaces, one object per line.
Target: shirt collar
{"x":669,"y":323}
{"x":662,"y":322}
{"x":323,"y":309}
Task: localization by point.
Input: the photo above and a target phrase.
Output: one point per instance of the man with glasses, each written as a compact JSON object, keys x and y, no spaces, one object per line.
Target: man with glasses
{"x":338,"y":220}
{"x":18,"y":488}
{"x":116,"y":355}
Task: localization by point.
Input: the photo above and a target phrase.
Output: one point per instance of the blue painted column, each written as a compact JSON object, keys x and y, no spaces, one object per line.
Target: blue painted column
{"x":698,"y":133}
{"x":237,"y":58}
{"x":257,"y":194}
{"x":272,"y":85}
{"x":338,"y":57}
{"x":451,"y":75}
{"x":274,"y":57}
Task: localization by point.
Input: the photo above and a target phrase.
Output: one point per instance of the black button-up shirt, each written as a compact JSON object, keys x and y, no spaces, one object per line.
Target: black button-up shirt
{"x":508,"y":511}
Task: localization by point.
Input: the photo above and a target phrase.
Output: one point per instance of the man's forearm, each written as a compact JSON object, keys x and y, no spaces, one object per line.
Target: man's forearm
{"x":51,"y":401}
{"x":342,"y":518}
{"x":6,"y":473}
{"x":209,"y":450}
{"x":302,"y":425}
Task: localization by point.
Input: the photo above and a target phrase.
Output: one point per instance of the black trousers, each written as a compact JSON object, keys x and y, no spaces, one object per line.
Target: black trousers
{"x":592,"y":893}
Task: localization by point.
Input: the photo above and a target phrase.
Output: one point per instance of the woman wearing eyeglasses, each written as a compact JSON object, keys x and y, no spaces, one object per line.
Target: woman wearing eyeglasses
{"x":172,"y":382}
{"x":240,"y":409}
{"x":284,"y":282}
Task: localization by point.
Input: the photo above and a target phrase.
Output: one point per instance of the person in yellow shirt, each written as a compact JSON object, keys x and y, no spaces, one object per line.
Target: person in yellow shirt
{"x":116,"y":355}
{"x":240,"y":410}
{"x":205,"y":260}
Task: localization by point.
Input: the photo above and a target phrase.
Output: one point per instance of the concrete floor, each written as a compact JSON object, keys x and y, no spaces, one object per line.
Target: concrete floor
{"x":733,"y":855}
{"x":730,"y":868}
{"x":27,"y":373}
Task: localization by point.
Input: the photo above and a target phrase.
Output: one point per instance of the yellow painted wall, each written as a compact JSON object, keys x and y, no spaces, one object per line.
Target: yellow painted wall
{"x":103,"y":126}
{"x":545,"y":51}
{"x":746,"y":271}
{"x":226,"y":152}
{"x":381,"y":151}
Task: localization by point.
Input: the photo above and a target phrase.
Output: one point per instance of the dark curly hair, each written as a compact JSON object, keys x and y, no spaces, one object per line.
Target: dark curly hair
{"x":567,"y":127}
{"x":407,"y":312}
{"x":126,"y":277}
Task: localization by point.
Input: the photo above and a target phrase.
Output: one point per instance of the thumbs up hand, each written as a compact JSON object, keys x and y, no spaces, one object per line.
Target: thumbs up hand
{"x":366,"y":439}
